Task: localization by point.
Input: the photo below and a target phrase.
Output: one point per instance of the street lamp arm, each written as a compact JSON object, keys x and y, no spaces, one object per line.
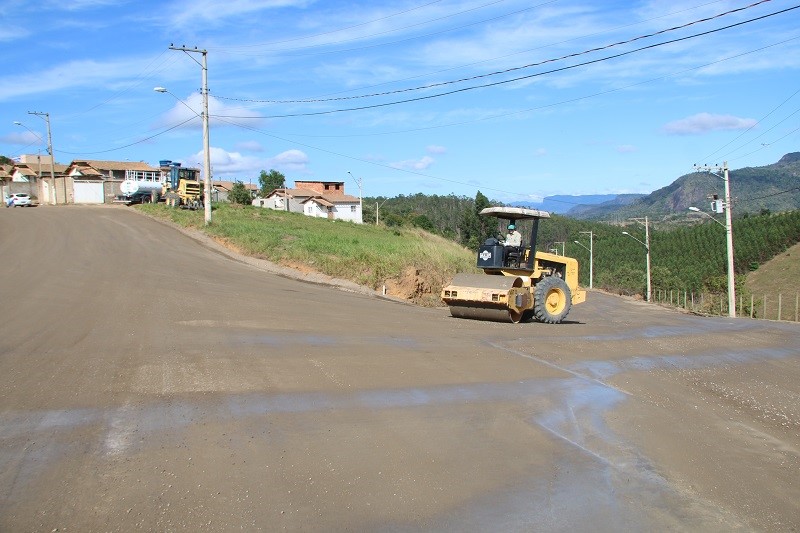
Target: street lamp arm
{"x":18,"y":123}
{"x":696,"y":210}
{"x":167,"y":91}
{"x":647,"y":249}
{"x":635,"y":239}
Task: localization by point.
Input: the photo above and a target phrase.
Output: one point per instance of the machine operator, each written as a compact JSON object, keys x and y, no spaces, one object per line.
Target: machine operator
{"x":514,"y":237}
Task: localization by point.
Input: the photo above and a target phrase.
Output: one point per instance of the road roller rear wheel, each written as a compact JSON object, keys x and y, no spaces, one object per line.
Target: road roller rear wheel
{"x":552,"y":300}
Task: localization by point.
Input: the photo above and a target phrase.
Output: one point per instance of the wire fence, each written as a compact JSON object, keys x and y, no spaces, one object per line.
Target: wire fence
{"x":770,"y":307}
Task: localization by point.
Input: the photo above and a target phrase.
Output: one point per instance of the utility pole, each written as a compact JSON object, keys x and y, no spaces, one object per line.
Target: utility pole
{"x":360,"y":195}
{"x":728,"y":230}
{"x":646,"y":245}
{"x":52,"y":155}
{"x":206,"y":147}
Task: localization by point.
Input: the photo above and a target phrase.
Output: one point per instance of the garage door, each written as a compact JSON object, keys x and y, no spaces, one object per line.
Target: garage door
{"x":88,"y":192}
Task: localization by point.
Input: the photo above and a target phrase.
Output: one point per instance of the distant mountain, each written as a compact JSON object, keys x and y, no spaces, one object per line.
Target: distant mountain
{"x":774,"y":187}
{"x":609,"y":206}
{"x":564,"y":203}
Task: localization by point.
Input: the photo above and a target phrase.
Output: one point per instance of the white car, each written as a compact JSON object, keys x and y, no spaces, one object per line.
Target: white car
{"x":18,"y":198}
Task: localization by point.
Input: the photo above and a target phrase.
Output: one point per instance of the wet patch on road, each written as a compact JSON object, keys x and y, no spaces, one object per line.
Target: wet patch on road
{"x":717,"y":358}
{"x":597,"y":469}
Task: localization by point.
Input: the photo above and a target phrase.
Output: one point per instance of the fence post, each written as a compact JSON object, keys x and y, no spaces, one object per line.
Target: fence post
{"x":780,"y":304}
{"x":752,"y":303}
{"x":796,"y":305}
{"x":765,"y":307}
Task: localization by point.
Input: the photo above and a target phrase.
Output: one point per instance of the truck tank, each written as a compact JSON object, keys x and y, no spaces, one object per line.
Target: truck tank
{"x":133,"y":188}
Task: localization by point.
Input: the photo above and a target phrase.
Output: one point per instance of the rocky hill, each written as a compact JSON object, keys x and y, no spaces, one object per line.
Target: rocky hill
{"x":774,"y":187}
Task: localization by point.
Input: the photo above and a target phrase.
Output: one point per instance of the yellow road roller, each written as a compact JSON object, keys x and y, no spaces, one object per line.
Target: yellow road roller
{"x":519,"y":284}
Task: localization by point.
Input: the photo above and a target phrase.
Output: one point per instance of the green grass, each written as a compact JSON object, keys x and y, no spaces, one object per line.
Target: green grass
{"x":778,"y":276}
{"x":365,"y":254}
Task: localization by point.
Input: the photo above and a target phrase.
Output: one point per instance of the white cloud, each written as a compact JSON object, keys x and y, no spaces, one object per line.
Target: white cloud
{"x":191,"y":12}
{"x":626,"y":148}
{"x":234,"y":165}
{"x":435,"y":149}
{"x":11,"y":33}
{"x":69,"y":75}
{"x":707,"y":122}
{"x":23,"y":137}
{"x":224,"y":163}
{"x":290,"y":160}
{"x":250,"y":146}
{"x":540,"y":152}
{"x":414,"y":164}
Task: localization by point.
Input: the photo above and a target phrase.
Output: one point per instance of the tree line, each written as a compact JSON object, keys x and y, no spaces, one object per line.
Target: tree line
{"x":687,"y":256}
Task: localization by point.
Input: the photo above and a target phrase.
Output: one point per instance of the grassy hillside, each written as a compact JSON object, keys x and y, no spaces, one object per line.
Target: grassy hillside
{"x":780,"y":275}
{"x":414,"y":264}
{"x":411,"y":263}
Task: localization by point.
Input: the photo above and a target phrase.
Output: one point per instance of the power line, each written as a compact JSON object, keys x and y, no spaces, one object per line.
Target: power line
{"x":140,"y":141}
{"x":512,"y":69}
{"x":768,"y":195}
{"x":561,"y":102}
{"x":561,"y":69}
{"x":745,"y":132}
{"x":669,"y":14}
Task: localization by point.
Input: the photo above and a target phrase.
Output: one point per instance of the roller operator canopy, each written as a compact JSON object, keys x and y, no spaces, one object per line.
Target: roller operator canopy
{"x":514,"y":213}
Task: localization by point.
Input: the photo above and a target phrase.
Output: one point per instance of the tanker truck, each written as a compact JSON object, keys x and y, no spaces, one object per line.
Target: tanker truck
{"x":139,"y":192}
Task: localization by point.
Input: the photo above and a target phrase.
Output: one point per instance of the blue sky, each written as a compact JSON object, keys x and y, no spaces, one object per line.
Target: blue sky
{"x":543,"y":107}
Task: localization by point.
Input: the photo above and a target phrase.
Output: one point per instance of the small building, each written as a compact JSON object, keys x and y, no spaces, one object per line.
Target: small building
{"x":95,"y":182}
{"x":285,"y":199}
{"x":221,"y":189}
{"x":35,"y":177}
{"x":322,"y":199}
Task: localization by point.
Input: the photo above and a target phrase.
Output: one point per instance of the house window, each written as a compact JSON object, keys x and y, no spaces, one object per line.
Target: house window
{"x":352,"y":209}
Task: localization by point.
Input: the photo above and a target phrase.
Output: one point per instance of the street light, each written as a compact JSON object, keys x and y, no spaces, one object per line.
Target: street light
{"x":728,"y":233}
{"x":206,"y":147}
{"x":378,"y":209}
{"x":360,"y":196}
{"x":46,"y":118}
{"x":591,"y":254}
{"x":646,"y":245}
{"x":731,"y":286}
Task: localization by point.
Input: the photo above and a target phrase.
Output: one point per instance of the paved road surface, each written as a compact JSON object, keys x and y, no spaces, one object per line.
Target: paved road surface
{"x":148,"y":382}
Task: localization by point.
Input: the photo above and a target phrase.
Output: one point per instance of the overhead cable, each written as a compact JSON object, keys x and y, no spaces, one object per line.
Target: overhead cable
{"x":512,"y":69}
{"x":529,"y":76}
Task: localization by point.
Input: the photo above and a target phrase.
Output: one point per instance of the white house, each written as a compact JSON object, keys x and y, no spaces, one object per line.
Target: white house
{"x":322,"y":199}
